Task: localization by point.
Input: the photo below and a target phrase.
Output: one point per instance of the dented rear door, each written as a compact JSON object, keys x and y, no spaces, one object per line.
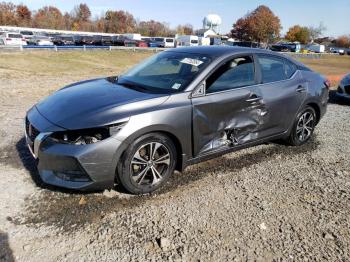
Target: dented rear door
{"x":225,"y":119}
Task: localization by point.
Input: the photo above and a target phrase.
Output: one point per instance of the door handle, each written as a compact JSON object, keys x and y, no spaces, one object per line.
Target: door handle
{"x":300,"y":89}
{"x":253,"y":98}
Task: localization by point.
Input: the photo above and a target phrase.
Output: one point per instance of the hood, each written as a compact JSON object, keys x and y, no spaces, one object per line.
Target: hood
{"x":95,"y":103}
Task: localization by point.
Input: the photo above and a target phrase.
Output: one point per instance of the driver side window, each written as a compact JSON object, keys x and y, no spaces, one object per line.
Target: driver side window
{"x":238,"y":72}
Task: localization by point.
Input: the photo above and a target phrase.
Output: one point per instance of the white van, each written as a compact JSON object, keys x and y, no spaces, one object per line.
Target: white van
{"x":187,"y":40}
{"x":169,"y":42}
{"x":13,"y":39}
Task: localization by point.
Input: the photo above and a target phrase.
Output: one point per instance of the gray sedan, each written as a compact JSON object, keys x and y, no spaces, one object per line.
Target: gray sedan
{"x":177,"y":108}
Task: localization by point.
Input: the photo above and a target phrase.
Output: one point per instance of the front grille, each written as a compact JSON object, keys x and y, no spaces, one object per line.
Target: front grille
{"x":31,"y":131}
{"x":347,"y":89}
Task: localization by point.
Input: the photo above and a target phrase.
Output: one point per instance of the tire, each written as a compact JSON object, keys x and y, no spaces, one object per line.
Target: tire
{"x":138,"y":173}
{"x":302,"y":129}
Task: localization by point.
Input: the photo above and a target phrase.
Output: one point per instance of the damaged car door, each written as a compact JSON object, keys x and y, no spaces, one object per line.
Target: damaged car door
{"x":226,"y":107}
{"x":282,"y":91}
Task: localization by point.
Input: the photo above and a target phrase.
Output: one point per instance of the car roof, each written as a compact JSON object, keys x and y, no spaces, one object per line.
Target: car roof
{"x":217,"y":51}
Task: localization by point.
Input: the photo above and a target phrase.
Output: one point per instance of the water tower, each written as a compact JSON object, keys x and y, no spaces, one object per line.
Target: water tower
{"x":213,"y":22}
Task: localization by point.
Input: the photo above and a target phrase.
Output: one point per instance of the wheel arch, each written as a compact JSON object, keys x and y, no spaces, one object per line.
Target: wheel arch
{"x":317,"y":109}
{"x":180,"y":150}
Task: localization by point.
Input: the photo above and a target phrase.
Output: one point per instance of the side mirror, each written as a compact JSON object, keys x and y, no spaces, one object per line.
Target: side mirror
{"x":200,"y":90}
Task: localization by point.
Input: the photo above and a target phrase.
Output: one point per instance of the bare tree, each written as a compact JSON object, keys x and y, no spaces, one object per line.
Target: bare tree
{"x":316,"y":32}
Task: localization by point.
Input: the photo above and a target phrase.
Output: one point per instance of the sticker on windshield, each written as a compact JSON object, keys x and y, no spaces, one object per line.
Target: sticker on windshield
{"x":191,"y":61}
{"x":176,"y":86}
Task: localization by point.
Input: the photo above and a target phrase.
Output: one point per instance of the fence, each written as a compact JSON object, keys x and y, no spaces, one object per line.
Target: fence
{"x":73,"y":47}
{"x":134,"y":49}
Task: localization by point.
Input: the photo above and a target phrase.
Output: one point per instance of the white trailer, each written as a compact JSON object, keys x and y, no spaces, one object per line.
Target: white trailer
{"x":187,"y":40}
{"x":316,"y":48}
{"x":133,"y":36}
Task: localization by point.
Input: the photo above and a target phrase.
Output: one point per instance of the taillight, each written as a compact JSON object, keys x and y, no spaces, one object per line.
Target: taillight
{"x":327,"y":83}
{"x":8,"y":39}
{"x":23,"y":39}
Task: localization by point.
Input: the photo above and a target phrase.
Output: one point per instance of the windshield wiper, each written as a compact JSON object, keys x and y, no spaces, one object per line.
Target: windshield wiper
{"x":132,"y":86}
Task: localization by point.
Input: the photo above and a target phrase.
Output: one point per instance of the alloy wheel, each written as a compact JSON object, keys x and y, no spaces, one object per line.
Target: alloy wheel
{"x":149,"y":164}
{"x":305,"y":126}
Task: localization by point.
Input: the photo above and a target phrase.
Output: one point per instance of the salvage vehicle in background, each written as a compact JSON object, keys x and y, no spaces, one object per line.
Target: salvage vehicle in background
{"x":122,"y":40}
{"x":106,"y":40}
{"x":40,"y":41}
{"x":343,"y":90}
{"x":179,"y":107}
{"x":62,"y":40}
{"x":286,"y":47}
{"x":13,"y":39}
{"x":27,"y":35}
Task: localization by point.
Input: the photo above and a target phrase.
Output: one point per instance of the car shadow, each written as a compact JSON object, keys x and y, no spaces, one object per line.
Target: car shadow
{"x":5,"y":249}
{"x":335,"y":99}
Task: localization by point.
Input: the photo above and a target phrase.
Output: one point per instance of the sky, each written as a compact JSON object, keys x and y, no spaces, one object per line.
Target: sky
{"x":335,"y":15}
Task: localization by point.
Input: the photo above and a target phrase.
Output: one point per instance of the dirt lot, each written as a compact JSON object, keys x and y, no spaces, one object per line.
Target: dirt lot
{"x":271,"y":202}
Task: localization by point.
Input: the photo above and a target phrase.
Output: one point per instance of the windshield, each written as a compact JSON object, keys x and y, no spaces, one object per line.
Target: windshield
{"x":166,"y":72}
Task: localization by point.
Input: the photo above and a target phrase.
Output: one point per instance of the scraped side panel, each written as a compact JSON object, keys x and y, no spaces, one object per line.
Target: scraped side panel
{"x":225,"y":120}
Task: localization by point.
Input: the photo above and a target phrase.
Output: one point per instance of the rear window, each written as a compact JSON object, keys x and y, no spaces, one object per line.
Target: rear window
{"x":272,"y":69}
{"x":15,"y":36}
{"x":169,"y":40}
{"x":275,"y":68}
{"x":194,"y":41}
{"x":290,"y":68}
{"x":158,"y":39}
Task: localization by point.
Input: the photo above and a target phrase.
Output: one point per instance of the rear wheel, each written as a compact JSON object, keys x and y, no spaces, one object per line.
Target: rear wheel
{"x":303,"y":127}
{"x":147,"y":164}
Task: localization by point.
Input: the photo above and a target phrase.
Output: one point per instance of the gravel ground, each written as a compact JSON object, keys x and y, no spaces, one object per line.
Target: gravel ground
{"x":270,"y":202}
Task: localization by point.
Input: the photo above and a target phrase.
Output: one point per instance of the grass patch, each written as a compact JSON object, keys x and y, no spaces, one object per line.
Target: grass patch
{"x":90,"y":64}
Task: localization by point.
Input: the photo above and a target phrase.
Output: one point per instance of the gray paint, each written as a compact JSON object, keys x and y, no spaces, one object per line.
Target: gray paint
{"x":204,"y":125}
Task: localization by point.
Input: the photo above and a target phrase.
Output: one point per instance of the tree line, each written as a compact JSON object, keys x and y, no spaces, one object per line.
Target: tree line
{"x":260,"y":25}
{"x":263,"y":26}
{"x":80,"y":19}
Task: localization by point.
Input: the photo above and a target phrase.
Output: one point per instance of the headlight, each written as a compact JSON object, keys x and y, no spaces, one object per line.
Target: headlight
{"x":86,"y":136}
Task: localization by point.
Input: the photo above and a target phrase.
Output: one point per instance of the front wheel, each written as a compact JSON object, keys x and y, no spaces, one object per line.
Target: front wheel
{"x":303,"y":127}
{"x":147,"y":164}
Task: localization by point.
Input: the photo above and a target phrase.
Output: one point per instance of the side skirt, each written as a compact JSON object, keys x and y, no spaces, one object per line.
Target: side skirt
{"x":226,"y":150}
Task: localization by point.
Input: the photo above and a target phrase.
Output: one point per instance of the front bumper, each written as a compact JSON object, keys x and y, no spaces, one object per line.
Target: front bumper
{"x":82,"y":167}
